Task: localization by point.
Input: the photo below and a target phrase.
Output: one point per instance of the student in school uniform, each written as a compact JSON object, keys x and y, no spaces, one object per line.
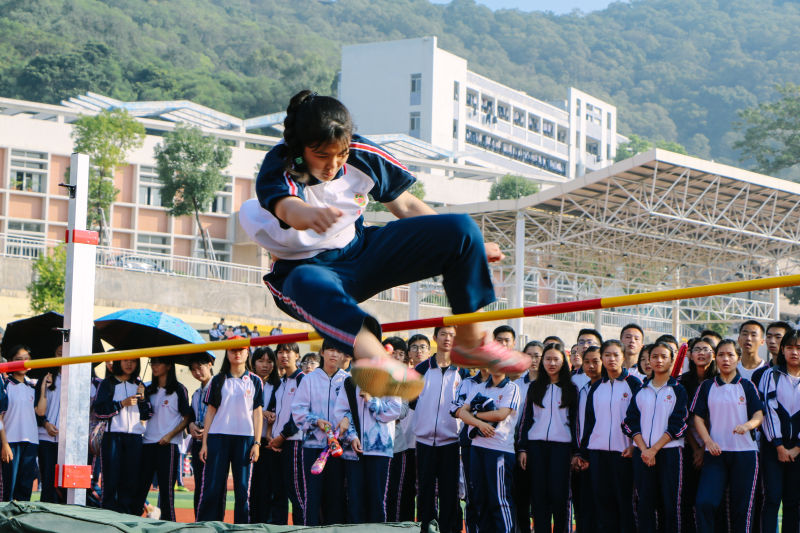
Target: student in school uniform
{"x":726,"y":412}
{"x":172,"y":412}
{"x":522,"y":488}
{"x":492,"y":452}
{"x":773,"y":337}
{"x":608,"y":449}
{"x":233,"y":419}
{"x":471,"y":514}
{"x":583,"y":500}
{"x":21,"y":432}
{"x":437,"y":436}
{"x":263,"y":496}
{"x":368,"y":425}
{"x":780,"y":444}
{"x":201,"y":367}
{"x":632,"y":338}
{"x":751,"y":337}
{"x":287,"y":439}
{"x":547,"y":440}
{"x":701,"y":368}
{"x":313,"y":411}
{"x":121,"y":403}
{"x":48,"y":408}
{"x":656,"y":421}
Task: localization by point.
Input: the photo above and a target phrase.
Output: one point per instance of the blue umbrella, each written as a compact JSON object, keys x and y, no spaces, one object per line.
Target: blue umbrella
{"x":142,"y":328}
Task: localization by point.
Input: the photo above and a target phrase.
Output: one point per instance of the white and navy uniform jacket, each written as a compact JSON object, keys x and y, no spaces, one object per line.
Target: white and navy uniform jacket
{"x":433,"y":423}
{"x":108,"y":406}
{"x":522,"y":384}
{"x":404,"y":438}
{"x":269,"y":393}
{"x":315,"y":400}
{"x":464,"y":392}
{"x":284,"y":396}
{"x":53,"y":407}
{"x":20,"y":417}
{"x":235,"y":400}
{"x":369,"y":171}
{"x":199,"y":406}
{"x":168,"y":412}
{"x":550,"y":423}
{"x":505,"y":394}
{"x":584,"y":384}
{"x":377,"y":419}
{"x":606,"y":407}
{"x":781,"y":394}
{"x":655,"y":411}
{"x":747,"y":373}
{"x":725,"y":406}
{"x":634,"y":371}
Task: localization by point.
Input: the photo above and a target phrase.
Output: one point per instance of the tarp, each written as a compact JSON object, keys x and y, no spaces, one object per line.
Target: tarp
{"x":31,"y":517}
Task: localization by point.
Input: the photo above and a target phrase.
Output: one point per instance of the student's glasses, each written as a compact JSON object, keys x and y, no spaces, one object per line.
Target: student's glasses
{"x":418,"y":348}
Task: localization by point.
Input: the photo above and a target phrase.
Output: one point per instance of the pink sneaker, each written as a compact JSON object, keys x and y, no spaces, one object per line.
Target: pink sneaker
{"x":384,"y":376}
{"x":491,"y":355}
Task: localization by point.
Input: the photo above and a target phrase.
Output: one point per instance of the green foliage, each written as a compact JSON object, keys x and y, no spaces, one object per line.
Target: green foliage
{"x":106,"y":138}
{"x":510,"y":186}
{"x":772,"y":132}
{"x":792,"y":294}
{"x":190,"y":166}
{"x":637,"y":145}
{"x":46,"y":291}
{"x":417,"y":189}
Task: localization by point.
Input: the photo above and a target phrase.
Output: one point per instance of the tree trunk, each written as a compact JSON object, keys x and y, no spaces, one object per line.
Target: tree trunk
{"x":200,"y":229}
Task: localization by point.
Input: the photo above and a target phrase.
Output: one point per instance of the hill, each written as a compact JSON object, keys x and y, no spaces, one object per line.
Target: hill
{"x":678,"y":70}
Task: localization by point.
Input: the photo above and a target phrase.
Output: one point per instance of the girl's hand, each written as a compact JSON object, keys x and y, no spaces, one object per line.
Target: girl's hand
{"x":203,"y":453}
{"x":47,"y":380}
{"x":713,"y":448}
{"x":627,"y":452}
{"x":130,"y":401}
{"x":486,"y":429}
{"x":320,"y":219}
{"x":51,"y":429}
{"x":356,"y":445}
{"x":163,"y":441}
{"x":366,"y":396}
{"x":649,"y":457}
{"x":741,"y":429}
{"x":794,"y":452}
{"x":140,"y":390}
{"x":522,"y":459}
{"x":270,"y":416}
{"x":579,"y":464}
{"x":697,"y":459}
{"x":324,"y":425}
{"x":195,"y":432}
{"x":783,"y":455}
{"x":344,"y":423}
{"x":254,"y":451}
{"x":493,"y":253}
{"x":6,"y":454}
{"x":276,"y":443}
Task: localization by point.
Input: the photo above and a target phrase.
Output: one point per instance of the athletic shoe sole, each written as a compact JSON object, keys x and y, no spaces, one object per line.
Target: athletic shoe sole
{"x":377,"y":381}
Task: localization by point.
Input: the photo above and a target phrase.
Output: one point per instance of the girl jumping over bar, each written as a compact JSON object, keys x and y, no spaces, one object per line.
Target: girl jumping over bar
{"x":312,"y":191}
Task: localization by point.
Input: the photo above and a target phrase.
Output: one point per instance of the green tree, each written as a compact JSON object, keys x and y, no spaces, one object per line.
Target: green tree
{"x":417,"y":189}
{"x":46,"y":290}
{"x":772,"y":132}
{"x":510,"y":186}
{"x":792,"y":294}
{"x":190,"y":166}
{"x":637,"y":145}
{"x":107,"y":138}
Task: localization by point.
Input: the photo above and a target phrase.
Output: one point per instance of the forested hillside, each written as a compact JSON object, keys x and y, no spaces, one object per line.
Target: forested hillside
{"x":677,"y":70}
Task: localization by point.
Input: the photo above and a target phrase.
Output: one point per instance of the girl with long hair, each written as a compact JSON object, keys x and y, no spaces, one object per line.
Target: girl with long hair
{"x":48,"y":409}
{"x":20,"y":433}
{"x":263,"y":497}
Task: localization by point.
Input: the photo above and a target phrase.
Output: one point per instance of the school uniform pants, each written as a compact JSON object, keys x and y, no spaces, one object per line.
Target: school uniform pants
{"x":18,"y":475}
{"x":48,"y":457}
{"x":367,"y":487}
{"x":782,"y":484}
{"x":739,"y":472}
{"x":294,"y":479}
{"x":471,"y":512}
{"x":659,"y":488}
{"x":583,"y":501}
{"x":121,"y":461}
{"x":522,"y":498}
{"x":612,"y":485}
{"x":491,"y":480}
{"x":548,"y":478}
{"x":325,"y":499}
{"x":198,"y":467}
{"x":401,"y":498}
{"x":225,"y":451}
{"x":161,"y":461}
{"x":691,"y":478}
{"x":278,"y":500}
{"x":261,"y":489}
{"x":437,"y":472}
{"x":325,"y":290}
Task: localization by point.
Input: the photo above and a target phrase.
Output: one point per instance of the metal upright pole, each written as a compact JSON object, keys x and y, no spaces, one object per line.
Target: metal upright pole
{"x":413,"y":303}
{"x":519,"y":271}
{"x":73,"y":422}
{"x":776,"y":294}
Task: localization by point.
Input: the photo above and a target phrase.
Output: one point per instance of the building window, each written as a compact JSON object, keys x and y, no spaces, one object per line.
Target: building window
{"x":149,"y":187}
{"x":414,"y":125}
{"x":608,"y":120}
{"x":534,"y":123}
{"x":548,"y":128}
{"x":472,"y":100}
{"x":519,"y":117}
{"x":504,"y":111}
{"x":28,"y":171}
{"x":416,"y":89}
{"x":23,"y":226}
{"x":456,"y":90}
{"x":221,"y":204}
{"x":455,"y":129}
{"x":562,"y":135}
{"x":159,"y":244}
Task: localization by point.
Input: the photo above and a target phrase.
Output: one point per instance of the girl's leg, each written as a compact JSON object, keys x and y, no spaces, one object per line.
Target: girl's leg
{"x":647,"y":488}
{"x":537,"y":478}
{"x":791,"y":498}
{"x":408,"y":497}
{"x":23,"y":486}
{"x":279,"y":514}
{"x":167,"y":459}
{"x":354,"y":474}
{"x":294,"y":479}
{"x":129,"y":484}
{"x":197,"y":472}
{"x":48,"y":457}
{"x":215,"y":478}
{"x":313,"y":503}
{"x":111,"y":467}
{"x":772,"y":471}
{"x":743,"y":480}
{"x":395,"y":488}
{"x":260,"y":502}
{"x":333,"y":497}
{"x":149,"y":466}
{"x":426,"y":476}
{"x":602,"y":473}
{"x":376,"y":478}
{"x":623,"y":486}
{"x":669,"y":468}
{"x":559,"y":466}
{"x":240,"y":468}
{"x":713,"y":479}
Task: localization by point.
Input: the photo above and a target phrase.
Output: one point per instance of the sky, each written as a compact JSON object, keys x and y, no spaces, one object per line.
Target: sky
{"x":556,"y":6}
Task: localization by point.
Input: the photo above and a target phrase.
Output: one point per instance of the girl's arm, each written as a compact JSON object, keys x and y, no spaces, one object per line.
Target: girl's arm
{"x":700,"y":425}
{"x":211,"y":412}
{"x":166,"y":439}
{"x":498,"y":415}
{"x":407,"y":205}
{"x":255,"y":449}
{"x":485,"y":428}
{"x":41,"y":392}
{"x":302,"y":216}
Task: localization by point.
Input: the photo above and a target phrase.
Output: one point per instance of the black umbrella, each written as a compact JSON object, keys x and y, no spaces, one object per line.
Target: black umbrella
{"x":42,"y":334}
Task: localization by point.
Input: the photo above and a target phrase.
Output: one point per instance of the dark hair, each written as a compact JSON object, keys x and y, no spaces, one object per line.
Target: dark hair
{"x":631,"y":326}
{"x":289,"y":347}
{"x":328,"y":344}
{"x":311,"y":356}
{"x":225,"y":368}
{"x":710,"y":333}
{"x":753,"y":323}
{"x":203,"y":358}
{"x":419,"y":337}
{"x":550,"y":339}
{"x":437,"y":328}
{"x":172,"y":384}
{"x":273,"y":378}
{"x":116,"y":369}
{"x":792,"y":337}
{"x":397,"y":343}
{"x":15,"y":350}
{"x":313,"y":121}
{"x":736,"y":347}
{"x":645,"y":348}
{"x":780,"y":324}
{"x":604,"y":347}
{"x":591,"y":349}
{"x":672,"y":353}
{"x":533,"y":343}
{"x":667,"y":338}
{"x":690,"y":380}
{"x":569,"y":393}
{"x":593,"y":332}
{"x":504,"y":329}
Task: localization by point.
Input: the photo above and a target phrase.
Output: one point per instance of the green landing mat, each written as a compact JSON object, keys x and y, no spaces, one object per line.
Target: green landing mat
{"x":29,"y":517}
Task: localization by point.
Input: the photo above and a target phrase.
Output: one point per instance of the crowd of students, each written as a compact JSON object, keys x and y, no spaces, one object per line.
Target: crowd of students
{"x":603,"y":433}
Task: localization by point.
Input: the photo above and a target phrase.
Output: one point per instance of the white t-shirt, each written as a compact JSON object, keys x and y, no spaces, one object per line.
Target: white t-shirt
{"x":168,"y":412}
{"x":20,"y":418}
